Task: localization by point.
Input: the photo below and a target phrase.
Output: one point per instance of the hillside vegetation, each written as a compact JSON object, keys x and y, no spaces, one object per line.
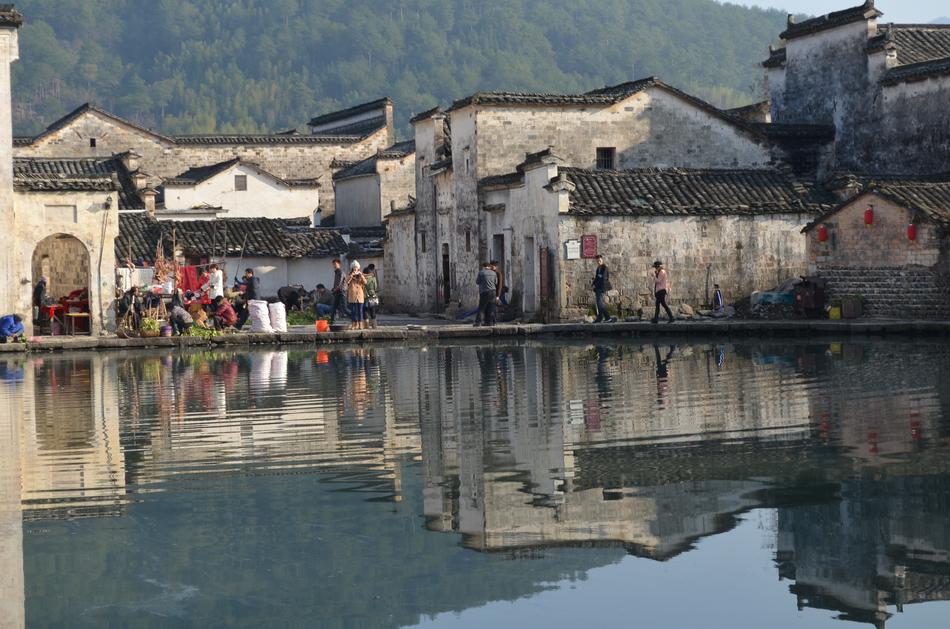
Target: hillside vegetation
{"x":193,"y":66}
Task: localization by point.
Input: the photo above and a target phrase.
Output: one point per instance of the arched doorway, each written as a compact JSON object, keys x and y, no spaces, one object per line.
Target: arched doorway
{"x":64,"y":260}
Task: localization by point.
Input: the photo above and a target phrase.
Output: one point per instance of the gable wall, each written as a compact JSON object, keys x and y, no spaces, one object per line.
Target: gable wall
{"x":162,"y":159}
{"x":264,"y":196}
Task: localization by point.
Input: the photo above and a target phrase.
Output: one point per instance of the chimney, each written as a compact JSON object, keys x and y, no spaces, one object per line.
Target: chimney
{"x":148,"y":198}
{"x":139,"y":180}
{"x":130,"y":159}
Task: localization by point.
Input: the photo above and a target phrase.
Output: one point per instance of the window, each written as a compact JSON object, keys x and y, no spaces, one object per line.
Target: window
{"x":240,"y":182}
{"x":92,"y":143}
{"x":606,"y":157}
{"x":422,"y":241}
{"x":468,"y":240}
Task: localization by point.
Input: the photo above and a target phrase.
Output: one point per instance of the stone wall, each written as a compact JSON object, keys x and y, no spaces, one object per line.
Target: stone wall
{"x":913,"y":133}
{"x":397,"y":181}
{"x":400,"y":292}
{"x":357,"y":201}
{"x":740,"y":254}
{"x":418,"y":291}
{"x":163,"y":158}
{"x":9,"y":53}
{"x":896,"y":276}
{"x":90,"y":223}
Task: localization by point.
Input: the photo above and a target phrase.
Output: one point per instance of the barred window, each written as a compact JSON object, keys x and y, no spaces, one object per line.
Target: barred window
{"x":606,"y":157}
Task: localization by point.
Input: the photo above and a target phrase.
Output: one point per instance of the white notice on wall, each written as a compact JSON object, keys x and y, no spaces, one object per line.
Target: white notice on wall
{"x":572,"y":250}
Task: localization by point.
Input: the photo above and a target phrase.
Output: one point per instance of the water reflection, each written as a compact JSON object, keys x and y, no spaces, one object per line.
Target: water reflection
{"x":238,"y":459}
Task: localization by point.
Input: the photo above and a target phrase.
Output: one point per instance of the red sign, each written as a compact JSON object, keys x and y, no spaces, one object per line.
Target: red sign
{"x":589,"y":246}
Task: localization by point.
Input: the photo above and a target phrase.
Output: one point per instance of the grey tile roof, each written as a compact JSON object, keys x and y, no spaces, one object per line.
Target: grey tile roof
{"x":359,"y":129}
{"x":368,"y":165}
{"x":428,"y":113}
{"x":336,"y":136}
{"x":349,"y":112}
{"x":675,"y":191}
{"x":265,"y":237}
{"x":917,"y":43}
{"x":917,"y":71}
{"x":830,"y":20}
{"x":76,"y":174}
{"x":777,"y":58}
{"x":198,"y":174}
{"x":9,"y":16}
{"x":928,"y":195}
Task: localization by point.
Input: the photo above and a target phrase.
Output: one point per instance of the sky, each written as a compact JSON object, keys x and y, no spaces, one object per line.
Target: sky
{"x":905,"y":11}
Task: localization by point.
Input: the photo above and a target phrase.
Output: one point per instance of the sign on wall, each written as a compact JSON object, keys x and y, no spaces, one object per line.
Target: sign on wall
{"x":572,"y":250}
{"x":589,"y":246}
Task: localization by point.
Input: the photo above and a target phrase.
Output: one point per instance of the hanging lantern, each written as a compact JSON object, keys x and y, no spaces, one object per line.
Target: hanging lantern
{"x":912,"y":232}
{"x":869,"y":216}
{"x":822,"y":233}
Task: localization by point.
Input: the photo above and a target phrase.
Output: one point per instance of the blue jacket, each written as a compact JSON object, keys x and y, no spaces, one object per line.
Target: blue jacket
{"x":9,"y":327}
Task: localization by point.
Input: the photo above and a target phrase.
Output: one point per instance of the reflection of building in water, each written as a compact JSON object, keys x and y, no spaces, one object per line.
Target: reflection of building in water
{"x":11,"y":519}
{"x":885,"y":543}
{"x":529,"y":446}
{"x":72,"y":457}
{"x":201,"y":413}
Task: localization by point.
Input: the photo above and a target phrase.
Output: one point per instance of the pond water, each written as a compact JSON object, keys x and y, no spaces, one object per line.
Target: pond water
{"x":550,"y":484}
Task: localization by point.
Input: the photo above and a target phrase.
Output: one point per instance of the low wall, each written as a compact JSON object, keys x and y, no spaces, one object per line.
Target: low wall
{"x":903,"y":293}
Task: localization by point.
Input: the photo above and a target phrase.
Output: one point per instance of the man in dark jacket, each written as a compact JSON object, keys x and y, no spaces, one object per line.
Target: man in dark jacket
{"x":601,"y":284}
{"x":252,"y":289}
{"x":339,"y":294}
{"x":39,"y":298}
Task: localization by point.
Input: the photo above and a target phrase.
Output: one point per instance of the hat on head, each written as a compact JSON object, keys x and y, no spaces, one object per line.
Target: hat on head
{"x":355,"y":265}
{"x":657,"y":263}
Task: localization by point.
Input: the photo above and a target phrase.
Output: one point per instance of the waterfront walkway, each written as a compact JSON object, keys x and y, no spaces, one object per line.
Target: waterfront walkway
{"x":437,"y":331}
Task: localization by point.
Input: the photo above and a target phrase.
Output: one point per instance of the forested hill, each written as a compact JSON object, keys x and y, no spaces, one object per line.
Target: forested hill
{"x":193,"y":66}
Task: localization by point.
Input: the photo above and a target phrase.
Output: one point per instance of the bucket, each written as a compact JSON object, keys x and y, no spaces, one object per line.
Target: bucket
{"x":322,"y":325}
{"x":834,"y":313}
{"x":166,"y":330}
{"x":323,"y":358}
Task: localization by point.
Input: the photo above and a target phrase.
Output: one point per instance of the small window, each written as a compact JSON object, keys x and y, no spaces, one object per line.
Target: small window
{"x":92,"y":142}
{"x":468,"y":240}
{"x":605,"y":158}
{"x":422,"y":241}
{"x":240,"y":182}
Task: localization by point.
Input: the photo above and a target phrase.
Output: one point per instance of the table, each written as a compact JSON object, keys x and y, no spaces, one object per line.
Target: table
{"x":71,"y":321}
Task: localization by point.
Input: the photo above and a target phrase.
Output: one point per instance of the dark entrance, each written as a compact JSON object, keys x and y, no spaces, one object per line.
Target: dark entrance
{"x":446,"y":275}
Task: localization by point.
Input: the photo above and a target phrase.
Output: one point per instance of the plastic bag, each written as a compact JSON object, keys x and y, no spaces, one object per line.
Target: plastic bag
{"x":259,"y":316}
{"x":278,"y":316}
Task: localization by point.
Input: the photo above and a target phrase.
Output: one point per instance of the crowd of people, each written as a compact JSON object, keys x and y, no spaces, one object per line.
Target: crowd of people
{"x":355,"y":293}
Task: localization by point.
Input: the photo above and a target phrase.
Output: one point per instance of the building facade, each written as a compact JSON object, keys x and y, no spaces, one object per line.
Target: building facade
{"x":369,"y":190}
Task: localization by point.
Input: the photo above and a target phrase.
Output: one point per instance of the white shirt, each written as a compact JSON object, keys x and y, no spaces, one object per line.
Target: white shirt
{"x":216,"y":284}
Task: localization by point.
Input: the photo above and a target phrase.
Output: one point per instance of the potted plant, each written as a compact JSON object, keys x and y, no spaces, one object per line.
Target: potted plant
{"x":150,"y":328}
{"x":852,"y":306}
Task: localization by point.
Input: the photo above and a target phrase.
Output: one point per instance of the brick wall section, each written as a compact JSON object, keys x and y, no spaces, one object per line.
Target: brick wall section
{"x":896,"y":276}
{"x":162,"y":158}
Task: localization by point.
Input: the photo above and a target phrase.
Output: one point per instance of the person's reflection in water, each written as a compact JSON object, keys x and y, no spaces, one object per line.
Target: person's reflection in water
{"x":662,"y":375}
{"x":721,"y":356}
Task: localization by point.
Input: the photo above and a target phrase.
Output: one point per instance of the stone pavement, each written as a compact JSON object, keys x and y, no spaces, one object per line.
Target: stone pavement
{"x":446,"y":330}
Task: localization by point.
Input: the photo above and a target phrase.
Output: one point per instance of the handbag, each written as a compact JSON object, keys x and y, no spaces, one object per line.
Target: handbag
{"x":373,"y":302}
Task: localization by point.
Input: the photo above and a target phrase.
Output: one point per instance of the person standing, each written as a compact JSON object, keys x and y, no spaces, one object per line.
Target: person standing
{"x":251,"y":291}
{"x":339,"y":296}
{"x":601,"y":284}
{"x":214,"y":287}
{"x":487,"y":282}
{"x":719,"y":306}
{"x":356,"y":295}
{"x":39,"y":298}
{"x":661,"y":288}
{"x":372,"y":296}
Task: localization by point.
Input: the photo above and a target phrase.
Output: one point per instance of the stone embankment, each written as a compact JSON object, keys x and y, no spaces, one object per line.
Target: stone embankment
{"x":794,"y":329}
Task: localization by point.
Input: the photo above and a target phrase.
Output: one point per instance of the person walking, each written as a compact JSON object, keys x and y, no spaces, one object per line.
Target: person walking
{"x":356,"y":295}
{"x":601,"y":284}
{"x":661,"y":288}
{"x":372,"y":296}
{"x":487,"y":282}
{"x":339,"y":295}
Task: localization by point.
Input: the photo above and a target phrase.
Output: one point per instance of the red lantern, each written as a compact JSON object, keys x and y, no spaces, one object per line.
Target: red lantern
{"x":912,"y":232}
{"x":822,"y":233}
{"x":869,"y":216}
